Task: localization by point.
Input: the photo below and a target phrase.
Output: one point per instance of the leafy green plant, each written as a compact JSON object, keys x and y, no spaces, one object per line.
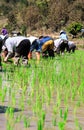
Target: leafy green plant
{"x":74,"y":28}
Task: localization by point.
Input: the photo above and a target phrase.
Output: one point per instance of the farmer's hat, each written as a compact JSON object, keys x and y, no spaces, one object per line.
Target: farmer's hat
{"x":62,"y":31}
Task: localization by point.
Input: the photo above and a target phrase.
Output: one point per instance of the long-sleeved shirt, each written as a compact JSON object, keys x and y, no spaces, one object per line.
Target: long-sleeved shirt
{"x":63,"y":36}
{"x":11,"y":43}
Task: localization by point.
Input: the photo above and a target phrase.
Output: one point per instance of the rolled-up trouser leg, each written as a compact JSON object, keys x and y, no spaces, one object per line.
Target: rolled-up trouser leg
{"x":16,"y":58}
{"x":24,"y":60}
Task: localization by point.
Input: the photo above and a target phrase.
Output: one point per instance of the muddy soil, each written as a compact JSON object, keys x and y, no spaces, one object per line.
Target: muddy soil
{"x":70,"y":124}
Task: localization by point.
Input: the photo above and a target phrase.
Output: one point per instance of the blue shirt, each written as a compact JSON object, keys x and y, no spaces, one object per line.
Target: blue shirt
{"x":35,"y":45}
{"x":63,"y":36}
{"x":43,"y":40}
{"x":38,"y":43}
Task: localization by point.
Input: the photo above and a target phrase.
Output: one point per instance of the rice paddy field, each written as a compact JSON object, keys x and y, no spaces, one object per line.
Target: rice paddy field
{"x":46,"y":95}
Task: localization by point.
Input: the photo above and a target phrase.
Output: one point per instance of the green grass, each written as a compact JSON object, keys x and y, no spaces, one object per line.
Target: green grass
{"x":50,"y":86}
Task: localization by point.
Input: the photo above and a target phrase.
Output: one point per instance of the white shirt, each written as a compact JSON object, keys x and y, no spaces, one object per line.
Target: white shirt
{"x":70,"y":42}
{"x":63,"y":37}
{"x":32,"y":39}
{"x":12,"y":42}
{"x":2,"y":36}
{"x":57,"y":42}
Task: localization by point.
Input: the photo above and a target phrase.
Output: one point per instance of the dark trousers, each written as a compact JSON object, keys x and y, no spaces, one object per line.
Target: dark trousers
{"x":72,"y":48}
{"x":62,"y":47}
{"x":49,"y":54}
{"x":22,"y":50}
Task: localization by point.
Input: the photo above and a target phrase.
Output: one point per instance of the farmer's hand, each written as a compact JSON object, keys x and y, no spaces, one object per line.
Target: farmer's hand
{"x":5,"y":60}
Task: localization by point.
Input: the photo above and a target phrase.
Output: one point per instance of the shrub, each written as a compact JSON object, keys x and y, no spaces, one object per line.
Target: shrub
{"x":74,"y":28}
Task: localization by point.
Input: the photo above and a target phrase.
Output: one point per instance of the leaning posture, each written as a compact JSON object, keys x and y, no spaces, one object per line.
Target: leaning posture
{"x":17,"y":47}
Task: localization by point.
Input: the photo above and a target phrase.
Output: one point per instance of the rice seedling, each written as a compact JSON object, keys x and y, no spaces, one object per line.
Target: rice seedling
{"x":26,"y":122}
{"x":65,"y":114}
{"x":50,"y":86}
{"x":4,"y":93}
{"x":18,"y":118}
{"x":61,"y":125}
{"x":10,"y":118}
{"x":54,"y":121}
{"x":77,"y":124}
{"x":39,"y":125}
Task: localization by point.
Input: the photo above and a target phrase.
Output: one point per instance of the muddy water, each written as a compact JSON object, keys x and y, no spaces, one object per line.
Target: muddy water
{"x":70,"y":124}
{"x":19,"y":125}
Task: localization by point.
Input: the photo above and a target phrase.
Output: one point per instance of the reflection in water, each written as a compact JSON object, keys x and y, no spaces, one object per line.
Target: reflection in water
{"x":4,"y":108}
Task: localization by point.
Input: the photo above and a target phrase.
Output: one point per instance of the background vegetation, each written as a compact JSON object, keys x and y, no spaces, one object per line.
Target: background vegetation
{"x":28,"y":15}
